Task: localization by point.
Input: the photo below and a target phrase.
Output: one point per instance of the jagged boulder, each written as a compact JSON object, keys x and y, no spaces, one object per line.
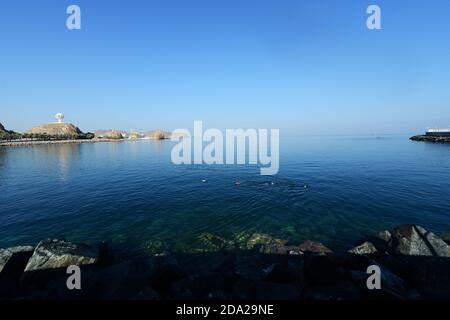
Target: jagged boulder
{"x":55,"y":254}
{"x":416,"y":241}
{"x":364,"y":248}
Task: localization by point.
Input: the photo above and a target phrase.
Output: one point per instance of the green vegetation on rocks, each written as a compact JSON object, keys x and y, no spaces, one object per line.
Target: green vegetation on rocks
{"x":8,"y":134}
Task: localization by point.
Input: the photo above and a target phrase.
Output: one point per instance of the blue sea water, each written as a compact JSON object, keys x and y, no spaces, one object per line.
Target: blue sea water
{"x":334,"y":189}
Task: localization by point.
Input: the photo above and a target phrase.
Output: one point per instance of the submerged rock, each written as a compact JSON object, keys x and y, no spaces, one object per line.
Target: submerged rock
{"x":314,"y":247}
{"x":208,"y":242}
{"x":261,"y":239}
{"x":416,"y":241}
{"x":54,"y":254}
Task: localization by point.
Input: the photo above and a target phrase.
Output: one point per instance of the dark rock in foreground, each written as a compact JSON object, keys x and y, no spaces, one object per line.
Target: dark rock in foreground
{"x":54,"y":254}
{"x":426,"y":138}
{"x":416,"y":241}
{"x":414,"y":264}
{"x":7,"y":256}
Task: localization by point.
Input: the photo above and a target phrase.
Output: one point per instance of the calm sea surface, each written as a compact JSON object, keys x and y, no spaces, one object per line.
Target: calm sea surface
{"x":332,"y":189}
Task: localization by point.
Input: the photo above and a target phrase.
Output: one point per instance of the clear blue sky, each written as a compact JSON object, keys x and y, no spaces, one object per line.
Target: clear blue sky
{"x":300,"y":65}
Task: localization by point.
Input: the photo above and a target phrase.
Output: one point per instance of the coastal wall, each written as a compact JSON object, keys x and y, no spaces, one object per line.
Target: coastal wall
{"x":438,"y":134}
{"x":431,"y":138}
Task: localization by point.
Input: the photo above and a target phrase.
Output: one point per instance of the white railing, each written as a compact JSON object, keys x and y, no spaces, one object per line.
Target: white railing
{"x":438,"y":130}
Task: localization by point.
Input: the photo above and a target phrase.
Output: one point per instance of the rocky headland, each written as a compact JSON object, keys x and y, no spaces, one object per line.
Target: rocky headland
{"x":7,"y":134}
{"x":63,"y":133}
{"x":414,"y":264}
{"x":157,"y":134}
{"x":436,"y":139}
{"x":109,"y":134}
{"x":56,"y":129}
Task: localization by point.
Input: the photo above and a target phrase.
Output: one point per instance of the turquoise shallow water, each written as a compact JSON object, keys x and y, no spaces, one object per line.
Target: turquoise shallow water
{"x":130,"y":193}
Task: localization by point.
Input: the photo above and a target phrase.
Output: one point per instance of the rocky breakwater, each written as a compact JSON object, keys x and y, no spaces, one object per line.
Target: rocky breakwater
{"x":437,"y":139}
{"x":414,"y":264}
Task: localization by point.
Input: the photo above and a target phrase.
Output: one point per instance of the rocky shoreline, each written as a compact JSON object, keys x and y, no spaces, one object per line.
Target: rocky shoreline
{"x":436,"y":139}
{"x":49,"y":142}
{"x":414,"y":264}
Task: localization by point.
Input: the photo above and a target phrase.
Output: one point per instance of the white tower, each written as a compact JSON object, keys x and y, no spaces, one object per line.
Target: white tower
{"x":59,"y":117}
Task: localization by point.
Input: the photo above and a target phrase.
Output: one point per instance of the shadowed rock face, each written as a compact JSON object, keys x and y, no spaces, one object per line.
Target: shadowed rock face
{"x":54,"y":254}
{"x":56,"y":129}
{"x":2,"y":128}
{"x":416,"y":241}
{"x":7,"y":255}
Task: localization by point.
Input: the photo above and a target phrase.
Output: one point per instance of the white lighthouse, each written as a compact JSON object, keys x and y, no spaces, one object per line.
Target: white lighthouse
{"x":59,"y":117}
